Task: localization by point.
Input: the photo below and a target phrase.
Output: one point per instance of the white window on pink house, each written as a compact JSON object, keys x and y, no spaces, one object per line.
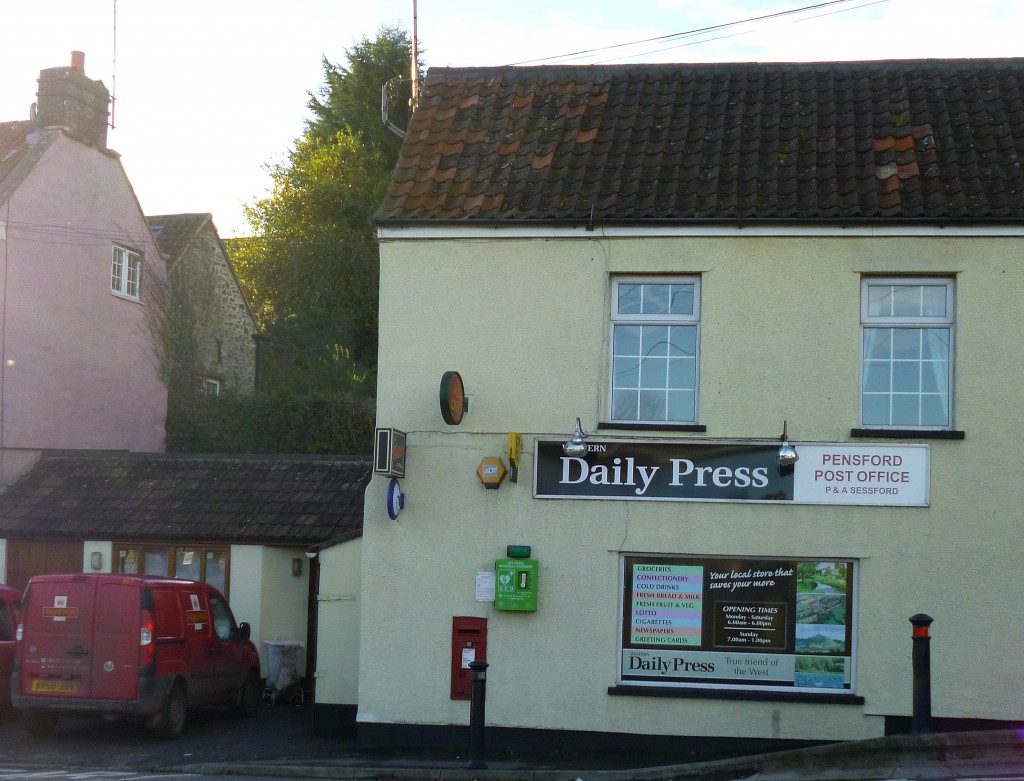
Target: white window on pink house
{"x":125,"y":272}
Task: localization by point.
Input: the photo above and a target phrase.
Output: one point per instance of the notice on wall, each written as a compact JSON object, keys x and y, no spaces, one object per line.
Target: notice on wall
{"x":737,"y":622}
{"x":485,"y":587}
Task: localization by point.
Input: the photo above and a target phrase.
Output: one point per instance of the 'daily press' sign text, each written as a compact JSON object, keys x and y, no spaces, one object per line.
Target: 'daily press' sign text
{"x":737,"y":472}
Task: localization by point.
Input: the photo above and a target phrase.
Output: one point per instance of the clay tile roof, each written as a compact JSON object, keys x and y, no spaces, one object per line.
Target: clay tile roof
{"x":935,"y":140}
{"x":297,"y":500}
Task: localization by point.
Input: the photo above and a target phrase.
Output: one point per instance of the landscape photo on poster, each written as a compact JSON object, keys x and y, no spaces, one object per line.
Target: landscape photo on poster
{"x":821,"y":672}
{"x":821,"y":592}
{"x":821,"y":617}
{"x":820,"y":639}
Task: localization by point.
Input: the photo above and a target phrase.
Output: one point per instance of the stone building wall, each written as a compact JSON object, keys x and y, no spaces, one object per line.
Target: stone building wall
{"x":224,"y":328}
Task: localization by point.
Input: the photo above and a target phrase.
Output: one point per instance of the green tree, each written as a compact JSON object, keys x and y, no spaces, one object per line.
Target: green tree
{"x":350,"y":98}
{"x":274,"y":423}
{"x":312,"y":266}
{"x":314,"y":263}
{"x":310,"y":269}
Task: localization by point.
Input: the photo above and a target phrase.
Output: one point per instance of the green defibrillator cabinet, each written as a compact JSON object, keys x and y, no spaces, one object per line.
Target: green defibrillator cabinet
{"x":515,"y":586}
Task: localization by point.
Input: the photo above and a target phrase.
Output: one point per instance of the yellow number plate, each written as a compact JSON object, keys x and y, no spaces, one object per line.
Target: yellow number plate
{"x":58,"y":685}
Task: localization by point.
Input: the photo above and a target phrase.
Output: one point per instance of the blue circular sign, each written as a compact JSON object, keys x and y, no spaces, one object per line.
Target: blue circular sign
{"x":396,"y":499}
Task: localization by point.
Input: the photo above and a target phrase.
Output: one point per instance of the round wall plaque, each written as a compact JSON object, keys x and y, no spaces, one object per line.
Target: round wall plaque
{"x":395,"y":500}
{"x":453,"y":398}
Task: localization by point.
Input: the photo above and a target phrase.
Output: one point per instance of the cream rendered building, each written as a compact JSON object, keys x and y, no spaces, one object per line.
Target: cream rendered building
{"x":685,"y":257}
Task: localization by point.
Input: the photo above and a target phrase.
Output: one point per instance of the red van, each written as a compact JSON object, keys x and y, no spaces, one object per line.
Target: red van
{"x":9,"y":599}
{"x":129,"y":645}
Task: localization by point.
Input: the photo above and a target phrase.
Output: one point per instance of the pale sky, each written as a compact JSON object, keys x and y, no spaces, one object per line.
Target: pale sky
{"x":209,"y":92}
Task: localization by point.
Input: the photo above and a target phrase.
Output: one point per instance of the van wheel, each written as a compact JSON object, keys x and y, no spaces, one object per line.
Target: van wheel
{"x":248,"y":695}
{"x":172,"y":717}
{"x":40,"y":725}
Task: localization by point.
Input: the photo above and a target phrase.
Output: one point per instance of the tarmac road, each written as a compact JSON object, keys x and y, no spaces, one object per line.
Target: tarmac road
{"x":276,"y":732}
{"x":279,"y":741}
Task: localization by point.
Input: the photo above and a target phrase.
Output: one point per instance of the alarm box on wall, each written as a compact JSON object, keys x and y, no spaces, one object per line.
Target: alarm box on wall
{"x":389,"y":452}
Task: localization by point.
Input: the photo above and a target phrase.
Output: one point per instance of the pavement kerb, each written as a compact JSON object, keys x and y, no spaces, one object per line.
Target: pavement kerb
{"x":873,"y":758}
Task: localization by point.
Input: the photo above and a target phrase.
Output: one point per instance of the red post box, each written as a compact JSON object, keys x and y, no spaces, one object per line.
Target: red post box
{"x":469,"y":644}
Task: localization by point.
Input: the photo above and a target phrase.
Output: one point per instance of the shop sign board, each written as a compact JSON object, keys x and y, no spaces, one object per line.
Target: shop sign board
{"x":738,"y":623}
{"x":665,"y":470}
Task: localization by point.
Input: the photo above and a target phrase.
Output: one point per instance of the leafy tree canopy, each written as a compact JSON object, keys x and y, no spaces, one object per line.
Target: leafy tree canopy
{"x":310,"y":269}
{"x":350,"y":98}
{"x":312,"y":265}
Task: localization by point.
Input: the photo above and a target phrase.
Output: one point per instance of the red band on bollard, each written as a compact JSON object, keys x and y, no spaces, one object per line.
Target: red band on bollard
{"x":920,"y":631}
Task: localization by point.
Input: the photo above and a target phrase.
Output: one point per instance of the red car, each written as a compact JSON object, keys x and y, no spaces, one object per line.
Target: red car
{"x":142,"y":647}
{"x":9,"y":599}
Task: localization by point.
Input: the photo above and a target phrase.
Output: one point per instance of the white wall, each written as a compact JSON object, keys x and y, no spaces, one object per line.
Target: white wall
{"x":339,"y":603}
{"x":526,"y":324}
{"x":244,"y":591}
{"x":105,"y":549}
{"x":268,"y":596}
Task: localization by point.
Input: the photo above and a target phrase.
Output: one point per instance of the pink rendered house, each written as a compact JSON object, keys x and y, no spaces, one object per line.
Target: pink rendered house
{"x":80,"y":274}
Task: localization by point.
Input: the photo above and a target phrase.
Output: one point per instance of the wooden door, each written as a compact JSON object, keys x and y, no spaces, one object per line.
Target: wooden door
{"x":26,"y":558}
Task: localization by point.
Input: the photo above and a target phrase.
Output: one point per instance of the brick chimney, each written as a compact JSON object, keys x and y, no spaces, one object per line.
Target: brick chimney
{"x":69,"y":99}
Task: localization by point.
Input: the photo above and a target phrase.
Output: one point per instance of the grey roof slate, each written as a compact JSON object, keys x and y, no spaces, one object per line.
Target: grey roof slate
{"x":295,"y":500}
{"x":22,"y":144}
{"x":173,"y":232}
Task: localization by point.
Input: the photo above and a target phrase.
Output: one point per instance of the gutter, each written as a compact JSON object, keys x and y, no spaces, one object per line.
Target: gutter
{"x":734,"y":222}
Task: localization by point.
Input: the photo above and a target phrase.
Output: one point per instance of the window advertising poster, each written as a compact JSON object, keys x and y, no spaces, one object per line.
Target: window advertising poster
{"x":761,"y":623}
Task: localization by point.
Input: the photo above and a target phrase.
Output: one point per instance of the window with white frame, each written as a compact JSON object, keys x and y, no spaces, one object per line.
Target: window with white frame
{"x":907,"y":353}
{"x":125,"y":271}
{"x":655,"y":334}
{"x":211,"y":387}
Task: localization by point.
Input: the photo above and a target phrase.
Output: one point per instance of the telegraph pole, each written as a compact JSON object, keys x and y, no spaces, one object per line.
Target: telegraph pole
{"x":415,"y":61}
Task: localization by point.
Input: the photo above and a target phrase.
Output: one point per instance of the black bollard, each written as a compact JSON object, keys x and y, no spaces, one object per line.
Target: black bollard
{"x":476,"y":716}
{"x":922,"y":662}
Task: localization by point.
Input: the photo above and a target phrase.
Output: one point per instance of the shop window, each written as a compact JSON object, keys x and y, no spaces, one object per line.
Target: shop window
{"x":766,"y":625}
{"x":208,"y":564}
{"x":907,"y":353}
{"x":655,"y":336}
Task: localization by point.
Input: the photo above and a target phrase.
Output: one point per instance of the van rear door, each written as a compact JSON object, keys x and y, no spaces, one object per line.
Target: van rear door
{"x":56,"y":653}
{"x":115,"y":653}
{"x":201,"y":651}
